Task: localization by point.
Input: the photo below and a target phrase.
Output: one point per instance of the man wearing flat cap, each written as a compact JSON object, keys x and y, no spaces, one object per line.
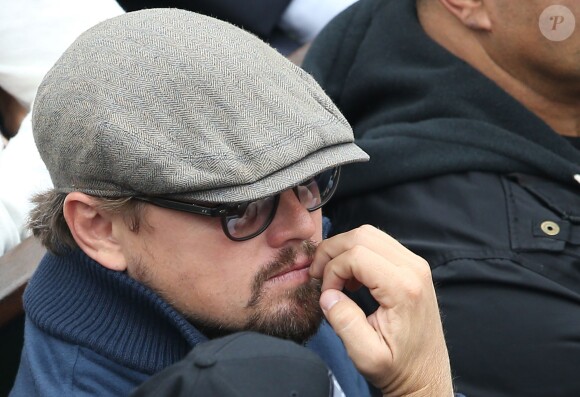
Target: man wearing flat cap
{"x":190,"y":162}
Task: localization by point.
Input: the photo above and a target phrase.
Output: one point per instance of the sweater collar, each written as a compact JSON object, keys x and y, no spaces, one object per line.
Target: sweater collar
{"x":77,"y":300}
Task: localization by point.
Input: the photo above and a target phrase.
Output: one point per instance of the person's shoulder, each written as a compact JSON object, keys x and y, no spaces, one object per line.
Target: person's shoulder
{"x":96,"y":372}
{"x":365,"y":10}
{"x":56,"y":367}
{"x":46,"y":366}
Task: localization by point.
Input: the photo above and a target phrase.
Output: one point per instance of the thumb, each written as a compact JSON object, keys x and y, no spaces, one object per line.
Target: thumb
{"x":364,"y":346}
{"x":348,"y":321}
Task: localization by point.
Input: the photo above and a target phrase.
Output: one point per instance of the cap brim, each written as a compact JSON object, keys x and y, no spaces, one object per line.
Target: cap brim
{"x":283,"y":179}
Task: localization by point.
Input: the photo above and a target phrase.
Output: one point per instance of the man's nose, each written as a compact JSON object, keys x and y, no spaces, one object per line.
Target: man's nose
{"x":291,"y":222}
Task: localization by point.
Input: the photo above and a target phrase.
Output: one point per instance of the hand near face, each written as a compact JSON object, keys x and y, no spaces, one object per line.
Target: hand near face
{"x":399,"y":348}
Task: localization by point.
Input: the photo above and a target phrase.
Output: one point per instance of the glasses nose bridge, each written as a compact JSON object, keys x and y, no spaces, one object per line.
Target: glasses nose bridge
{"x":296,"y":193}
{"x":296,"y":190}
{"x":288,"y":201}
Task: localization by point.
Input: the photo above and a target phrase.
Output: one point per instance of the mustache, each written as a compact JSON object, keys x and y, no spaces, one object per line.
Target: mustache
{"x":284,"y":260}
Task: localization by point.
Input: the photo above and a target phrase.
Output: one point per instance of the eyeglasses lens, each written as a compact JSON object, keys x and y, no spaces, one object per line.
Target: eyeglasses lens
{"x":258,"y":214}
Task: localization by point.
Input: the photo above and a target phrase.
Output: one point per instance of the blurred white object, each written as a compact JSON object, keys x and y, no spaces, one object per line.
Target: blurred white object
{"x":33,"y":35}
{"x":22,"y":173}
{"x":304,"y":19}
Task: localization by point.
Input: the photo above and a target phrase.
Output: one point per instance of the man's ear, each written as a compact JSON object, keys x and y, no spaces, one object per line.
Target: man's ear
{"x":472,"y":13}
{"x":92,"y":229}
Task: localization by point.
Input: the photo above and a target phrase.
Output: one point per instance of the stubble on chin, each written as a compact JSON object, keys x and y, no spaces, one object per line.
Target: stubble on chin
{"x":294,"y":314}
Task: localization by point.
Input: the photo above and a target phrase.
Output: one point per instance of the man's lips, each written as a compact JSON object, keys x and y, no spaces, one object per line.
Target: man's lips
{"x":296,"y":266}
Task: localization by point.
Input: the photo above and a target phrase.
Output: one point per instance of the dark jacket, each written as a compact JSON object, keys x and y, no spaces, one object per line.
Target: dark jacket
{"x":465,"y":176}
{"x":91,"y":331}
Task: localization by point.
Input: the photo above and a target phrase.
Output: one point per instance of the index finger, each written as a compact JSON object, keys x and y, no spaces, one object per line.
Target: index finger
{"x":361,"y":264}
{"x":367,"y":236}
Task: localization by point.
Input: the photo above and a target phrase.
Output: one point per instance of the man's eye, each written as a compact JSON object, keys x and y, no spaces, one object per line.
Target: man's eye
{"x":307,"y":196}
{"x":251,"y":211}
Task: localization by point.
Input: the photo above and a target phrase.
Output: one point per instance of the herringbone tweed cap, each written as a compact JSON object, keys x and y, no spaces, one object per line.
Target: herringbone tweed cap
{"x":165,"y":102}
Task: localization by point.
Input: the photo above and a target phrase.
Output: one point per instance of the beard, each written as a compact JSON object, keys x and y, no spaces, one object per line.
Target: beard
{"x":294,"y":314}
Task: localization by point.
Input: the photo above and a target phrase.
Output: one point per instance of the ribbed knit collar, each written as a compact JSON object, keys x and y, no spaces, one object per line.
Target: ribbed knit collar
{"x":419,"y":111}
{"x":77,"y":300}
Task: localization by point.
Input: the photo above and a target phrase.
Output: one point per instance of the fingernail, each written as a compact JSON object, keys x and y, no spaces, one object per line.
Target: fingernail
{"x":328,"y":299}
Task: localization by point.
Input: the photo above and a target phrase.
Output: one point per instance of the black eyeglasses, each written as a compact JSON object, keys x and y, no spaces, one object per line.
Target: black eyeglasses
{"x":244,"y":221}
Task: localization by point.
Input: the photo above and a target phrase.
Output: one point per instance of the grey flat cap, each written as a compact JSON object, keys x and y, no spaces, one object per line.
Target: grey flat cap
{"x":166,"y":102}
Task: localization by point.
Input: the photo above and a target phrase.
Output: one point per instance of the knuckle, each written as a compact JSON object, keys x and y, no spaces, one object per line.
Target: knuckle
{"x":373,"y":363}
{"x":422,"y":267}
{"x":360,"y":234}
{"x":413,"y":288}
{"x":356,"y":236}
{"x":343,"y":321}
{"x":366,"y":228}
{"x":356,"y":251}
{"x":355,"y":254}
